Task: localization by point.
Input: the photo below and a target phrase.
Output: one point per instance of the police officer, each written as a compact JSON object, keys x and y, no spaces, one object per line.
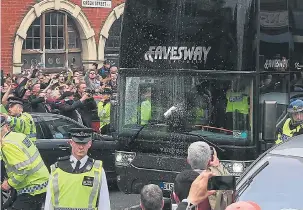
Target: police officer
{"x":20,"y":122}
{"x":146,"y":106}
{"x":238,"y":105}
{"x":25,"y":169}
{"x":77,"y":181}
{"x":294,"y":124}
{"x":104,"y":111}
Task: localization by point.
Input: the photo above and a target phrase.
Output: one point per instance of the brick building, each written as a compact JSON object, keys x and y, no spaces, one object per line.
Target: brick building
{"x":59,"y":33}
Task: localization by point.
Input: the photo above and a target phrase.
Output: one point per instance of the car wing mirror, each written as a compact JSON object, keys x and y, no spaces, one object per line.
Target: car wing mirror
{"x":269,"y":120}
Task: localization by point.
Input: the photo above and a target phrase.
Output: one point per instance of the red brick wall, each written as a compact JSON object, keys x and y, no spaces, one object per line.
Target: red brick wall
{"x":13,"y":11}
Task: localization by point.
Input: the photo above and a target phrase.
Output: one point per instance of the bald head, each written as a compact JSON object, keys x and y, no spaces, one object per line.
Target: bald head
{"x":242,"y":205}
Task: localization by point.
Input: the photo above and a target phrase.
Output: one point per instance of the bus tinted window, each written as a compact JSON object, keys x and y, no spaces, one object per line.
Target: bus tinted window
{"x":196,"y":34}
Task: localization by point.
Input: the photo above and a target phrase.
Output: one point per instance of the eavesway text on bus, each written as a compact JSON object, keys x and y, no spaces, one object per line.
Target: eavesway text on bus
{"x":198,"y":53}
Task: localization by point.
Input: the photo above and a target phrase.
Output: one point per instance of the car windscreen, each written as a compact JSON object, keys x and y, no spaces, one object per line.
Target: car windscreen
{"x":279,"y":185}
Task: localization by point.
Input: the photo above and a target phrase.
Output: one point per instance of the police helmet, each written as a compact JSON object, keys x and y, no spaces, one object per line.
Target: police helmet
{"x":295,"y":111}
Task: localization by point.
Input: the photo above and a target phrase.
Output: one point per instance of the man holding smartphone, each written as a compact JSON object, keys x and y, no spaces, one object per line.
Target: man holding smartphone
{"x":199,"y":192}
{"x":202,"y":157}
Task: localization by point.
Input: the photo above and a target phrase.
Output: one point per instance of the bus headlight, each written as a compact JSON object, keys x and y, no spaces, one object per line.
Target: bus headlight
{"x":236,"y":168}
{"x":124,"y":158}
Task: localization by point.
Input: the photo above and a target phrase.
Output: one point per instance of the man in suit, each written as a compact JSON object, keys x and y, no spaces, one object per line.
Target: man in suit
{"x":78,"y":181}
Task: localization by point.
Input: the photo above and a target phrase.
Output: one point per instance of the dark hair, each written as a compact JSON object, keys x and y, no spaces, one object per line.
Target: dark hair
{"x":183,"y":183}
{"x":79,"y":84}
{"x":106,"y":62}
{"x":95,"y":64}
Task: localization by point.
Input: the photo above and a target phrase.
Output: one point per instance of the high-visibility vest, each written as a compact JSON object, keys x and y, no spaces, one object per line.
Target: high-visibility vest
{"x":25,"y":124}
{"x":25,"y":168}
{"x":75,"y":191}
{"x":104,"y":113}
{"x":237,"y":101}
{"x":30,"y":127}
{"x":200,"y":115}
{"x":145,"y":112}
{"x":287,"y":132}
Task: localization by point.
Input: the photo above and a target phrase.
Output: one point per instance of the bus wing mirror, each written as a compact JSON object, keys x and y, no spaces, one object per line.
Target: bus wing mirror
{"x":269,"y":120}
{"x":113,"y":115}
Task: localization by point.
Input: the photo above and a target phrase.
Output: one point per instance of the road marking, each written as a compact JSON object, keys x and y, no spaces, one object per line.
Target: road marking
{"x":132,"y":207}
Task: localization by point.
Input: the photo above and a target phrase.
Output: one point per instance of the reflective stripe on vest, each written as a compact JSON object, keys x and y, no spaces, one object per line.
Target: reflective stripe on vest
{"x":287,"y":132}
{"x":32,"y":133}
{"x":25,"y":163}
{"x":94,"y":188}
{"x":29,"y":174}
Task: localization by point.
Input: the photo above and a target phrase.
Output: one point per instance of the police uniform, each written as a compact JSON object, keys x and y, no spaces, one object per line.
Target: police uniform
{"x":25,"y":169}
{"x":145,"y":111}
{"x":293,"y":126}
{"x":237,"y":105}
{"x":104,"y":113}
{"x":77,"y":184}
{"x":22,"y":123}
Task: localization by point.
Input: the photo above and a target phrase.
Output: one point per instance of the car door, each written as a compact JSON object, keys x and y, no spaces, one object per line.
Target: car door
{"x":54,"y":142}
{"x":103,"y":148}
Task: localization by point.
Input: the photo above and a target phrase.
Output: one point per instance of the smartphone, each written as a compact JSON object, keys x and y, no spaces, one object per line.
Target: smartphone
{"x":222,"y":183}
{"x":212,"y":154}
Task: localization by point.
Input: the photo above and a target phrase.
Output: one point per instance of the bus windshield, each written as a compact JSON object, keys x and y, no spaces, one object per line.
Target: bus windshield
{"x":217,"y":107}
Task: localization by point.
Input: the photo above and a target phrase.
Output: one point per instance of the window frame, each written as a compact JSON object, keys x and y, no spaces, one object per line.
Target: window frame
{"x":123,"y":127}
{"x":42,"y":51}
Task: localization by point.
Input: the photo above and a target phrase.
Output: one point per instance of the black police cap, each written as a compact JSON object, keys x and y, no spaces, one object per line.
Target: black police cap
{"x":81,"y":135}
{"x":14,"y":100}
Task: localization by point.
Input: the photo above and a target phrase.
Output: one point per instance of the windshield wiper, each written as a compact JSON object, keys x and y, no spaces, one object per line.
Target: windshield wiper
{"x":251,"y":178}
{"x":206,"y":140}
{"x":135,"y":136}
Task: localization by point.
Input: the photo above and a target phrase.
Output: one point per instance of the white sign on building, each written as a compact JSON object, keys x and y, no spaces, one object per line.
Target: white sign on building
{"x":97,"y":3}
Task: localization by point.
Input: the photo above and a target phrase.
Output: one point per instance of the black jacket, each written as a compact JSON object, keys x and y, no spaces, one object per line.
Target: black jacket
{"x":66,"y":108}
{"x":35,"y":104}
{"x":88,"y":110}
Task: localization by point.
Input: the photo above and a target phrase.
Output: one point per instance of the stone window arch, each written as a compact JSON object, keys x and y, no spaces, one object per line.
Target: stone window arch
{"x":80,"y":25}
{"x":110,"y":50}
{"x":52,"y":39}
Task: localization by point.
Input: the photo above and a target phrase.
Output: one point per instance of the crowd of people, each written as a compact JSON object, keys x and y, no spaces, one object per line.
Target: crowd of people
{"x":81,"y":95}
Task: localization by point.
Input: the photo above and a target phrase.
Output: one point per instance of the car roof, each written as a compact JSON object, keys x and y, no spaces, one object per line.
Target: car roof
{"x":37,"y":114}
{"x":293,"y":147}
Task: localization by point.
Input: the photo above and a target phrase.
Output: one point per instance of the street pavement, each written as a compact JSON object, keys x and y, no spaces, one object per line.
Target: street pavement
{"x":121,"y":201}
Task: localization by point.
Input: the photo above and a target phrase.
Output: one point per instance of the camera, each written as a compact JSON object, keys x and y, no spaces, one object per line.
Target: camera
{"x":90,"y":92}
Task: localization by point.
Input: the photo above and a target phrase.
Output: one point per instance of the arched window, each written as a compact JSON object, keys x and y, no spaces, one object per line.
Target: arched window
{"x":112,"y":45}
{"x":52,"y":39}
